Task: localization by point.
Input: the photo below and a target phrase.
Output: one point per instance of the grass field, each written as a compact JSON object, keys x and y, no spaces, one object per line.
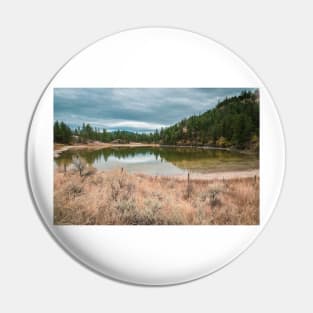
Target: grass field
{"x":120,"y":198}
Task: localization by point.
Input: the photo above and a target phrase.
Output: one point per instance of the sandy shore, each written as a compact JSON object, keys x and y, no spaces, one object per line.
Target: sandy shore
{"x":219,"y":175}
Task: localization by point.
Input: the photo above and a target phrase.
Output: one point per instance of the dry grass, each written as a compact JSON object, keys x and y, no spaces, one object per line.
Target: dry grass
{"x":120,"y":198}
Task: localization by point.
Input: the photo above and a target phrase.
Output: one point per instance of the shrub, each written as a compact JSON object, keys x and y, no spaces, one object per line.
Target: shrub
{"x":79,"y":163}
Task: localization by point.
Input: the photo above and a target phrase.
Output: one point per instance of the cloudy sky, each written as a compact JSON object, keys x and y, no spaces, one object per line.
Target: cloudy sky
{"x":134,"y":109}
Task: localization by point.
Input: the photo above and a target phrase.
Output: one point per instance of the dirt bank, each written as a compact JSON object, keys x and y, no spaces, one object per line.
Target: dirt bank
{"x":59,"y":148}
{"x":220,"y":175}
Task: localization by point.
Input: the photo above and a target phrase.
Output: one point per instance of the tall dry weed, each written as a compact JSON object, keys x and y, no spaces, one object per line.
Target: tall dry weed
{"x":120,"y":198}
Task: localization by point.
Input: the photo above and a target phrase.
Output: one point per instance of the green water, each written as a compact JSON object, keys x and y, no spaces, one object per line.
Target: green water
{"x":162,"y":160}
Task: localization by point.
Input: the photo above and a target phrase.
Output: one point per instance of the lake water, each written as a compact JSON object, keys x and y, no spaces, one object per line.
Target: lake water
{"x":162,"y":160}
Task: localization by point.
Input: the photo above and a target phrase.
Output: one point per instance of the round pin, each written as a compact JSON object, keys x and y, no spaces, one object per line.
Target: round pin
{"x":155,"y":156}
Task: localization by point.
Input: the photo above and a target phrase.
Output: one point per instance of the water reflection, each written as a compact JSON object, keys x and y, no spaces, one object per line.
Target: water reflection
{"x":162,"y":160}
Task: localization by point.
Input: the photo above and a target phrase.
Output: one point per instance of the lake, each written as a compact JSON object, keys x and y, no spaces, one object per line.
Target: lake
{"x":162,"y":160}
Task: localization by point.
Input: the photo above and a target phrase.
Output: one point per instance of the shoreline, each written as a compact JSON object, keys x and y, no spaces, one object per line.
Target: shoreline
{"x":219,"y":175}
{"x":60,"y":148}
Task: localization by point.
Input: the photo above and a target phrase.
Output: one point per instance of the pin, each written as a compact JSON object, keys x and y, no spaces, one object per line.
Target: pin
{"x":144,"y":154}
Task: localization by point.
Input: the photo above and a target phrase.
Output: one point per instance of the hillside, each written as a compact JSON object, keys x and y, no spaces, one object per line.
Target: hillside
{"x":234,"y":122}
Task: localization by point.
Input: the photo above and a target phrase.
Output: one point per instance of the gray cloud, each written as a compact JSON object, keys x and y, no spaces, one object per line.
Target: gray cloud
{"x":135,"y":109}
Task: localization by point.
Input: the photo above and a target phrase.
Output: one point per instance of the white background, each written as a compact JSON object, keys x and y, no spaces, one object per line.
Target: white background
{"x":37,"y":37}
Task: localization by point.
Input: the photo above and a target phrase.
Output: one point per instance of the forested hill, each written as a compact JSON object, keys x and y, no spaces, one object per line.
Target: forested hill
{"x":233,"y":123}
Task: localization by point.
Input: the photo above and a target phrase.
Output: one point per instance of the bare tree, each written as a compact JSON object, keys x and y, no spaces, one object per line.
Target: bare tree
{"x":79,"y":163}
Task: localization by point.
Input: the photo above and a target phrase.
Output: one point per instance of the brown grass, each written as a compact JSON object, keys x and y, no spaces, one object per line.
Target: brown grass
{"x":120,"y":198}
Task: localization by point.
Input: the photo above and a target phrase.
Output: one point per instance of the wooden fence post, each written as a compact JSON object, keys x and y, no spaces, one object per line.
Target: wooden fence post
{"x":188,"y":184}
